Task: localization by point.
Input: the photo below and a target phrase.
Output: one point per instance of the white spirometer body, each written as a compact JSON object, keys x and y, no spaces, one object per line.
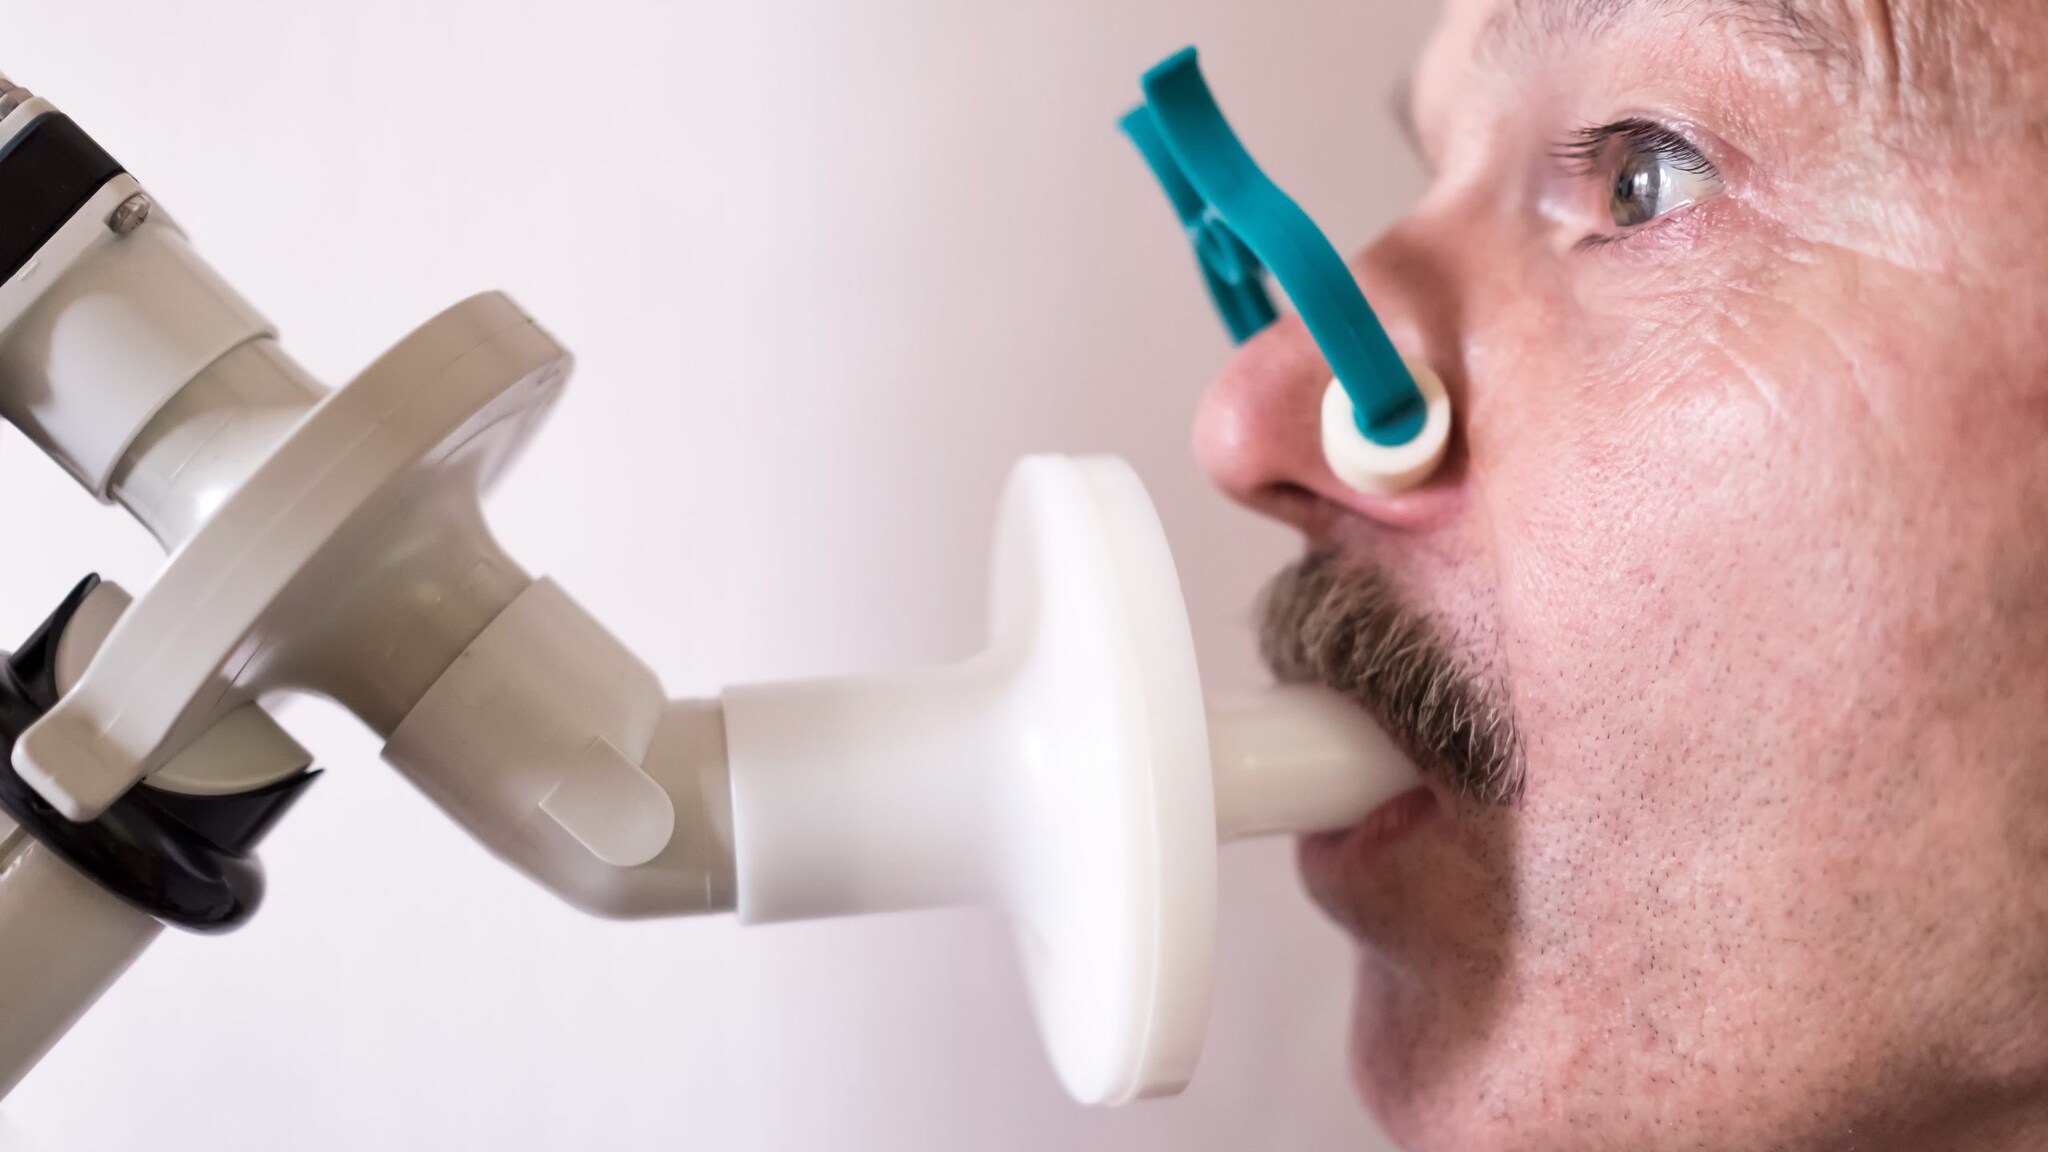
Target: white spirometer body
{"x":1071,"y":774}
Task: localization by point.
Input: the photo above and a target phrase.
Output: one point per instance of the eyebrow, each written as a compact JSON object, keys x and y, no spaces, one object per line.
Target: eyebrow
{"x":1521,"y":24}
{"x":1790,"y":24}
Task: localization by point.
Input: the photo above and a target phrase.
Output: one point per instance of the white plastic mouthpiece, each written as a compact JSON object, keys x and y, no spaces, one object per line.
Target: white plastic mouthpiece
{"x":1071,"y":775}
{"x":1291,"y":760}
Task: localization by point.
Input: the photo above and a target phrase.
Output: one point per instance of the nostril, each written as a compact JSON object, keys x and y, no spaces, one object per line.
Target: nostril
{"x":1295,"y":505}
{"x":1259,"y":434}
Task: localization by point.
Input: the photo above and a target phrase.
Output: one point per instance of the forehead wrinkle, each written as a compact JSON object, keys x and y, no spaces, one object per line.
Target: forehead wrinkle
{"x":1880,"y":36}
{"x":1525,"y":25}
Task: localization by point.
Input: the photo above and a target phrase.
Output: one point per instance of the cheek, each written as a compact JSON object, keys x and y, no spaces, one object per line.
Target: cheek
{"x":1631,"y":466}
{"x":1685,"y":523}
{"x":1661,"y":464}
{"x":1746,"y":589}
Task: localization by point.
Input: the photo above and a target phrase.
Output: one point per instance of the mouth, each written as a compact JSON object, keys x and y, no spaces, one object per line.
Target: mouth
{"x":1330,"y":861}
{"x":1328,"y":620}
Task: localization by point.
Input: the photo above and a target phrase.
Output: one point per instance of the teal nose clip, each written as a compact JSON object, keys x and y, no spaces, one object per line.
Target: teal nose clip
{"x":1392,"y":418}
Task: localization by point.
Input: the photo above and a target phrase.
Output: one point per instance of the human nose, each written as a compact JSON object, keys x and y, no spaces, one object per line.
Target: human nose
{"x":1258,"y":428}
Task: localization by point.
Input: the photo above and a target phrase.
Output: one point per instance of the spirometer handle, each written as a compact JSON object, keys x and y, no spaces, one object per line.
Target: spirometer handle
{"x":63,"y":942}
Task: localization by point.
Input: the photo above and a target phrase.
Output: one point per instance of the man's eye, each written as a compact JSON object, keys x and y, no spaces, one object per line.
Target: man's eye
{"x":1644,"y":170}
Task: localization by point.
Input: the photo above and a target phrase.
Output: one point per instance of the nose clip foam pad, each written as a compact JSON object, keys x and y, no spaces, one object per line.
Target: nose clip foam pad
{"x":1391,"y":430}
{"x":1386,"y":469}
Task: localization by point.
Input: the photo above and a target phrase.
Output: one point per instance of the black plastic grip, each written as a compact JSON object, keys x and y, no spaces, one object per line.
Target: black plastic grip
{"x":47,"y":173}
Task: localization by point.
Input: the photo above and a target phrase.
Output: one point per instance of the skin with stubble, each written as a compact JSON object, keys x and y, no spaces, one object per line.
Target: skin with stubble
{"x":1723,"y":633}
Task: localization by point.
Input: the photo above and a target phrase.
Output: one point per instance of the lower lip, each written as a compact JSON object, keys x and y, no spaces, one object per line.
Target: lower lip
{"x":1382,"y":828}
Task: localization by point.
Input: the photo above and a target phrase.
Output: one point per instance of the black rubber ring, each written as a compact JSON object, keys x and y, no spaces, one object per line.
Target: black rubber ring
{"x":185,"y":860}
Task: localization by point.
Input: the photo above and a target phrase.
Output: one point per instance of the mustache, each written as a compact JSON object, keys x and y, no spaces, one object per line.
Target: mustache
{"x":1325,"y":620}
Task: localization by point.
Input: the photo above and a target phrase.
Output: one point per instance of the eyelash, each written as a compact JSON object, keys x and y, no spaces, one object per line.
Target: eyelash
{"x":1586,"y":151}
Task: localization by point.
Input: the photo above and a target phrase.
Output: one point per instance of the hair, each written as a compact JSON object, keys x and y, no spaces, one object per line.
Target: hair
{"x":1331,"y":622}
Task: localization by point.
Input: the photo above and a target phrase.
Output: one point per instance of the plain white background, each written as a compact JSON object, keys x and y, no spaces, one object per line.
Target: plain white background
{"x":829,"y":267}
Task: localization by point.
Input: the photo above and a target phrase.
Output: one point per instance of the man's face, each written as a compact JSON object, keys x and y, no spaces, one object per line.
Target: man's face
{"x":1723,"y":633}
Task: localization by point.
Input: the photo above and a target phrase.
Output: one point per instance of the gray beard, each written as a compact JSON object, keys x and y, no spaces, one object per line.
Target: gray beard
{"x":1326,"y":621}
